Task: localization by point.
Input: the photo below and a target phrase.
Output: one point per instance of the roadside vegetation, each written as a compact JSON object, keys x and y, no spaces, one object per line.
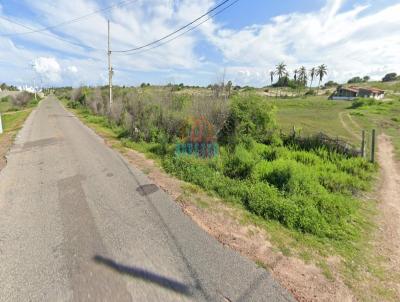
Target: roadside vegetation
{"x":17,"y":102}
{"x":309,"y":195}
{"x":14,"y":110}
{"x":306,"y":195}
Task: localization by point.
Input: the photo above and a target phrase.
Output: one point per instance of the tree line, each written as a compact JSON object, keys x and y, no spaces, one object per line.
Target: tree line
{"x":301,"y":76}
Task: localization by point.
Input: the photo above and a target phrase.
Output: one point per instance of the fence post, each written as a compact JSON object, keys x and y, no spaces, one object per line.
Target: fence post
{"x":373,"y":146}
{"x":294,"y":131}
{"x":1,"y":125}
{"x":363,"y":143}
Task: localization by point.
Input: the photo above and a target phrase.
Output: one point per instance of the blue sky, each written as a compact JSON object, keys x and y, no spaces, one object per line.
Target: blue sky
{"x":352,"y":37}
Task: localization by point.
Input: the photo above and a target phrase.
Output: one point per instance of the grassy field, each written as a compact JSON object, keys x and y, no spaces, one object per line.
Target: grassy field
{"x":316,"y":114}
{"x":13,"y":121}
{"x":13,"y":118}
{"x":384,"y":116}
{"x":5,"y":104}
{"x":312,"y":115}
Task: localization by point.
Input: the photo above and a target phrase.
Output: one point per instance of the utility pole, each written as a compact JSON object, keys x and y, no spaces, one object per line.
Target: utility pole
{"x":363,"y":144}
{"x":110,"y":70}
{"x":34,"y":88}
{"x":373,"y":145}
{"x":1,"y":125}
{"x":34,"y":81}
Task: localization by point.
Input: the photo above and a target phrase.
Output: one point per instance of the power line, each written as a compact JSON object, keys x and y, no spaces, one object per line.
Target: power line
{"x":50,"y":35}
{"x":189,"y":30}
{"x":175,"y":32}
{"x":121,"y":3}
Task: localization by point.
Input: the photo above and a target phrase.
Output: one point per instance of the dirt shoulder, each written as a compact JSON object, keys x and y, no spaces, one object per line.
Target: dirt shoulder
{"x":388,"y":239}
{"x":7,"y":137}
{"x":6,"y":140}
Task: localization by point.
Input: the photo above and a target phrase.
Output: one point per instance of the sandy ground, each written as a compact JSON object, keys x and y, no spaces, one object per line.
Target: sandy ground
{"x":5,"y":144}
{"x":387,"y":237}
{"x":389,"y":205}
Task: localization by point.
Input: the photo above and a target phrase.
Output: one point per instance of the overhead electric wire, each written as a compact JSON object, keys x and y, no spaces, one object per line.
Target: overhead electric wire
{"x":174,"y":32}
{"x":121,"y":3}
{"x":50,"y":35}
{"x":190,"y":29}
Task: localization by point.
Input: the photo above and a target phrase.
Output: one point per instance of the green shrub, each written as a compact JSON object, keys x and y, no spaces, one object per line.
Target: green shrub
{"x":5,"y":99}
{"x":33,"y":103}
{"x":363,"y":102}
{"x":290,"y":177}
{"x":304,"y":157}
{"x":239,"y":164}
{"x":22,"y":99}
{"x":73,"y":104}
{"x":357,"y":167}
{"x":12,"y":109}
{"x":250,"y":116}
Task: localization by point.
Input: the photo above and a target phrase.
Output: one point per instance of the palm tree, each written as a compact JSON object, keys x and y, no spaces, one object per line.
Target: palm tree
{"x":295,"y":72}
{"x":271,"y":74}
{"x":321,"y":72}
{"x":312,"y":75}
{"x":281,"y":72}
{"x":303,"y":76}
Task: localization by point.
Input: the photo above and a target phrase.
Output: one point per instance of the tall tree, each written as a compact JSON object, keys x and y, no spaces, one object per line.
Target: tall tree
{"x":321,"y":72}
{"x":271,"y":74}
{"x":295,"y":72}
{"x":303,"y":76}
{"x":281,"y":71}
{"x":313,"y":71}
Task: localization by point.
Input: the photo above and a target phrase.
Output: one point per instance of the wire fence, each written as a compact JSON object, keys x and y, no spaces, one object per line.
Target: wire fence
{"x":366,"y":147}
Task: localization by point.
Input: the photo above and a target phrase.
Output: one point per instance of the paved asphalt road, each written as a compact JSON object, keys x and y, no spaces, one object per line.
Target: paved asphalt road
{"x":77,"y":223}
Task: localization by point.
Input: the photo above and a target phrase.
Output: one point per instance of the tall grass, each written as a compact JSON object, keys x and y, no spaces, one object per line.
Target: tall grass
{"x":304,"y":190}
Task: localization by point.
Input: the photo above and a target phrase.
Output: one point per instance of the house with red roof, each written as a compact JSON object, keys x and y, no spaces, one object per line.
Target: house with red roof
{"x":352,"y":92}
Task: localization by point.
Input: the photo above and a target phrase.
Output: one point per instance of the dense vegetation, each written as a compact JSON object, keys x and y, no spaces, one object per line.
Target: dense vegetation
{"x":390,"y":77}
{"x":357,"y":79}
{"x":310,"y":189}
{"x":17,"y":102}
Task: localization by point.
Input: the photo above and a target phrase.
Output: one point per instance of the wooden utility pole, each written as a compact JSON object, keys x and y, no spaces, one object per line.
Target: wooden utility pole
{"x":363,"y":143}
{"x":110,"y":70}
{"x":1,"y":125}
{"x":34,"y":88}
{"x":373,"y":146}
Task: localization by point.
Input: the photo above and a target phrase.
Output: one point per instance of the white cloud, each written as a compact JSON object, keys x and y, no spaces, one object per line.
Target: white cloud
{"x":353,"y":42}
{"x":72,"y":69}
{"x":357,"y":41}
{"x":48,"y":68}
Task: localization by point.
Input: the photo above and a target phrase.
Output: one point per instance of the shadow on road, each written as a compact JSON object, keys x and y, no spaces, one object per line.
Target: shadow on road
{"x":144,"y":275}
